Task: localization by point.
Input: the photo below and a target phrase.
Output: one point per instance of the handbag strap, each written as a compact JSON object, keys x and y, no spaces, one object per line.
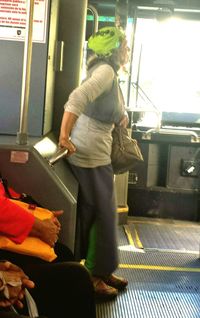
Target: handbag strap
{"x":31,"y":305}
{"x":121,"y":140}
{"x":118,"y":131}
{"x":5,"y":185}
{"x":21,"y":197}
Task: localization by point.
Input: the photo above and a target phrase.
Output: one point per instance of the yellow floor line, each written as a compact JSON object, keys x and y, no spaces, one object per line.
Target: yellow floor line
{"x":129,"y":236}
{"x":122,"y":209}
{"x":159,"y":268}
{"x":139,"y":243}
{"x":156,"y":222}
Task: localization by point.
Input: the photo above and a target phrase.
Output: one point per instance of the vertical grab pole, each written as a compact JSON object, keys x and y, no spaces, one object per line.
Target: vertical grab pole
{"x":134,"y":26}
{"x":22,"y":134}
{"x":96,"y":17}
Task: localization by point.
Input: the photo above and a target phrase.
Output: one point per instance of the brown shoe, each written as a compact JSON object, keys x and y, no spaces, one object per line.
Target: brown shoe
{"x":102,"y":290}
{"x":117,"y":282}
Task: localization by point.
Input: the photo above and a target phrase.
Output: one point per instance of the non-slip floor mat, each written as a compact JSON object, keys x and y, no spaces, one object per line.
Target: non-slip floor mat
{"x":161,"y":284}
{"x":164,"y":236}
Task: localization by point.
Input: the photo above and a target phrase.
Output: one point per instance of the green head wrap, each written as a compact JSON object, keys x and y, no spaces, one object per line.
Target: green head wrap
{"x":106,"y":40}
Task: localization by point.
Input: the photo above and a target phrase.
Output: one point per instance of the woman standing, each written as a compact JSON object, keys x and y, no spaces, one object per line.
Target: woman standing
{"x":89,"y":117}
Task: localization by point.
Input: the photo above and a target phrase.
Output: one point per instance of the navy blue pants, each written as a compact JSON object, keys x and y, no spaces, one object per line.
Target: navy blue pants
{"x":97,"y":205}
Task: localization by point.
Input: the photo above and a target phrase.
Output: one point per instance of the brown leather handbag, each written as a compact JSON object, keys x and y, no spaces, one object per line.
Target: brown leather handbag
{"x":126,"y":153}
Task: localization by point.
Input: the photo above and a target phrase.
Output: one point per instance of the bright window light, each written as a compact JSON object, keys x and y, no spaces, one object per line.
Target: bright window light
{"x":166,"y":66}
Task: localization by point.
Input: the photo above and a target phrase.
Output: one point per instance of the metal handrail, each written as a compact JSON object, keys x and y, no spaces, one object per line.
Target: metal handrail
{"x":191,"y":133}
{"x":95,"y":15}
{"x":22,"y":134}
{"x":60,"y":153}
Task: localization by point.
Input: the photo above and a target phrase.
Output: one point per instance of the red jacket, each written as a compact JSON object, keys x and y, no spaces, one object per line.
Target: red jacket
{"x":15,"y":222}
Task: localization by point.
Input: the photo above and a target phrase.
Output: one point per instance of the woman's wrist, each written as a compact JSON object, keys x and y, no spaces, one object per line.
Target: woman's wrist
{"x":64,"y":139}
{"x":36,"y":228}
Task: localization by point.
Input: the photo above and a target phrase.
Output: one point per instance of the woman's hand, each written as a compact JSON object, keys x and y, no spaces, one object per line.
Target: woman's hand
{"x":47,"y":230}
{"x":124,"y":121}
{"x":66,"y":143}
{"x":56,"y":214}
{"x":15,"y":283}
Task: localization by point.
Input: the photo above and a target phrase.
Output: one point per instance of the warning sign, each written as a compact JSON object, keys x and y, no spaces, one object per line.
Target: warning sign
{"x":13,"y":20}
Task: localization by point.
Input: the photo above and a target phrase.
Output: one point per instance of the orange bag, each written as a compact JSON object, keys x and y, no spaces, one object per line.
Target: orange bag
{"x":31,"y":246}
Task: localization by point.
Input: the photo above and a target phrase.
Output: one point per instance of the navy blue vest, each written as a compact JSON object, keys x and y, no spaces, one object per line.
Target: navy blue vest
{"x":109,"y":106}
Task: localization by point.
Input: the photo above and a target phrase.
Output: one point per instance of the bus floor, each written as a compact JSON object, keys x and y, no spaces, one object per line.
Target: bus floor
{"x":160,"y":259}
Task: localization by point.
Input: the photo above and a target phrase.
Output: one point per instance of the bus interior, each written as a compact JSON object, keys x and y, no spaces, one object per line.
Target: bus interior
{"x":158,"y":202}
